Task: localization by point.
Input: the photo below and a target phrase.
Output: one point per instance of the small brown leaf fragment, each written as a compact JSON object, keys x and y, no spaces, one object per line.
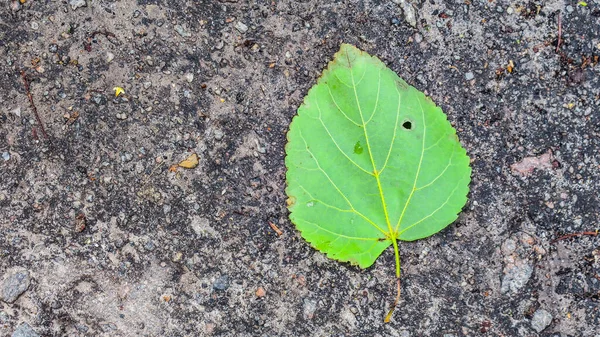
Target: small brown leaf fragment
{"x":71,"y":118}
{"x":191,"y":162}
{"x":260,"y":292}
{"x":275,"y":228}
{"x":80,"y":222}
{"x":526,"y":166}
{"x":166,"y":298}
{"x":173,"y":168}
{"x":510,"y":66}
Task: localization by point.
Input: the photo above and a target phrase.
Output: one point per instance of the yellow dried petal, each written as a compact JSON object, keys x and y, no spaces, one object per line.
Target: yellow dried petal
{"x":191,"y":162}
{"x":118,"y":91}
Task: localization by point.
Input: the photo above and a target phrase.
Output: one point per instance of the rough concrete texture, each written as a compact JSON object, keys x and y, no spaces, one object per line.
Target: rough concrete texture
{"x":116,"y":244}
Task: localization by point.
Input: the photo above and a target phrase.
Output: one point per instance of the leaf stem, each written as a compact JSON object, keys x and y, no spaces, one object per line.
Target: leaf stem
{"x":397,"y":255}
{"x":388,"y":317}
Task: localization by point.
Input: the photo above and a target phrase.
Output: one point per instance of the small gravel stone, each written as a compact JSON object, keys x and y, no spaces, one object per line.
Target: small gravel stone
{"x":6,"y":156}
{"x":404,"y":333}
{"x":510,"y":10}
{"x":122,"y":116}
{"x":408,"y":11}
{"x":181,"y":31}
{"x":35,"y":25}
{"x":15,"y":6}
{"x":149,"y":246}
{"x":219,"y":134}
{"x":469,"y":76}
{"x":189,"y":77}
{"x":110,"y":56}
{"x":24,"y":330}
{"x":177,"y":257}
{"x":77,"y":4}
{"x":516,"y":278}
{"x":222,"y":283}
{"x":14,"y":285}
{"x":348,"y":318}
{"x":418,"y":38}
{"x":99,"y":99}
{"x":570,"y":9}
{"x":241,"y":27}
{"x":541,"y":319}
{"x":310,"y":306}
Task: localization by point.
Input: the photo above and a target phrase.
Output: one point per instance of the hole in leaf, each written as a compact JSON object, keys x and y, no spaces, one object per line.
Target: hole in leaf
{"x":407,"y":125}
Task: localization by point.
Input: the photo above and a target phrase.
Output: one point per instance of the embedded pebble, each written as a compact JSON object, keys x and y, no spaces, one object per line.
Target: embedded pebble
{"x":516,"y":278}
{"x":418,"y":38}
{"x":408,"y":11}
{"x":241,"y":27}
{"x":348,"y":318}
{"x":6,"y":156}
{"x":219,"y":134}
{"x":222,"y":283}
{"x":77,"y":4}
{"x":24,"y":330}
{"x":15,"y":6}
{"x":469,"y":76}
{"x":14,"y":285}
{"x":110,"y":56}
{"x":181,"y":31}
{"x":310,"y":306}
{"x":541,"y":319}
{"x":189,"y":77}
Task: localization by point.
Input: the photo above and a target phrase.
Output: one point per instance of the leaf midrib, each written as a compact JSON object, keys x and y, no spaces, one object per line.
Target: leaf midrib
{"x":391,"y":234}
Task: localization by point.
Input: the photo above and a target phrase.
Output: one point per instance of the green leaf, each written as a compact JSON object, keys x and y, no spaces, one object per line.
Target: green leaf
{"x":371,"y":160}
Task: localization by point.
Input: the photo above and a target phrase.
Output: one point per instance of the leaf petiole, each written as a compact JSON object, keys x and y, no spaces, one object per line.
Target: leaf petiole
{"x":388,"y":317}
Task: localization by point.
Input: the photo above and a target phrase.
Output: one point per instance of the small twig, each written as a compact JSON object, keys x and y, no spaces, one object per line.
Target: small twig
{"x":559,"y":33}
{"x":567,"y":236}
{"x":388,"y":317}
{"x":35,"y":112}
{"x":88,"y":44}
{"x":275,"y":228}
{"x":102,"y":32}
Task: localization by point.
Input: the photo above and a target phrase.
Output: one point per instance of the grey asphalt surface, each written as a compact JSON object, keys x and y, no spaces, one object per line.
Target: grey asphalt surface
{"x":100,"y":235}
